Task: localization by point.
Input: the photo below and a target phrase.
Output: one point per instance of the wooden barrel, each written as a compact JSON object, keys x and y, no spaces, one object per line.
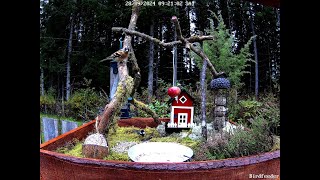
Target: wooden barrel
{"x":55,"y":165}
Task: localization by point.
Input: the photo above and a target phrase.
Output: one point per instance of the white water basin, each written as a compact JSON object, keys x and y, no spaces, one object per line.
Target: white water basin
{"x":160,"y":152}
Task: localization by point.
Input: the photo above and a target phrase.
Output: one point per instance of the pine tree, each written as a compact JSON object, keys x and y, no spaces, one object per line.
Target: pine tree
{"x":222,"y":53}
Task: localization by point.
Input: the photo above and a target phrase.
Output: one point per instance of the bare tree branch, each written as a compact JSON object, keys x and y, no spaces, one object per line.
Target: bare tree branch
{"x":157,"y":41}
{"x":136,"y":71}
{"x":193,"y":39}
{"x":186,"y":41}
{"x":199,"y":52}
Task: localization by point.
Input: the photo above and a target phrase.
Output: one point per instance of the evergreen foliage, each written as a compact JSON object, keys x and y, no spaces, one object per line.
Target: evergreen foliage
{"x":221,"y":52}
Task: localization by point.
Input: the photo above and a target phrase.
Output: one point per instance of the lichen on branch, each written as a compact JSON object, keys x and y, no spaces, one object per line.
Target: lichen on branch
{"x":112,"y":110}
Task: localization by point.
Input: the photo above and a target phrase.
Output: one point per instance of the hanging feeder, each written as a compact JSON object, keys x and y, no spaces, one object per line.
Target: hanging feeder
{"x":174,"y":92}
{"x":220,"y":83}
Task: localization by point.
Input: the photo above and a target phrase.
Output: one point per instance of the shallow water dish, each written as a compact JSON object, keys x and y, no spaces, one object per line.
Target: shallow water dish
{"x":159,"y":152}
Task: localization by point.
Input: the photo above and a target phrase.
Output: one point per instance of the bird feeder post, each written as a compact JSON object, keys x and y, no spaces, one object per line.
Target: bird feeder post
{"x":220,"y":86}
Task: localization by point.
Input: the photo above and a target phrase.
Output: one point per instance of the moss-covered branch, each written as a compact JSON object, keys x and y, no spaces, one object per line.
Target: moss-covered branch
{"x":145,"y":108}
{"x":112,"y":110}
{"x":125,"y":84}
{"x":136,"y":72}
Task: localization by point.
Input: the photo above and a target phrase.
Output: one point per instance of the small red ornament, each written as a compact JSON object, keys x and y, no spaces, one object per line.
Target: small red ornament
{"x":174,"y":91}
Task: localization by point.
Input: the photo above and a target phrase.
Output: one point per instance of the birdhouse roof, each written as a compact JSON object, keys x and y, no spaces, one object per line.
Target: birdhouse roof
{"x":182,"y":91}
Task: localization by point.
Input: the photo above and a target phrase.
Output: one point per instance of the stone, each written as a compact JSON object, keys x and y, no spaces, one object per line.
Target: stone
{"x":220,"y":101}
{"x":161,"y":129}
{"x":183,"y":134}
{"x":230,"y":128}
{"x":123,"y":147}
{"x":219,"y":122}
{"x":95,"y":146}
{"x":196,"y":133}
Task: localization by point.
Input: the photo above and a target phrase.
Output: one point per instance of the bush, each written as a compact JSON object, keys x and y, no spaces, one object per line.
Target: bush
{"x":268,"y":108}
{"x":270,"y":111}
{"x":162,"y":109}
{"x":85,"y":104}
{"x":242,"y":142}
{"x":257,"y":140}
{"x":47,"y":103}
{"x":248,"y":109}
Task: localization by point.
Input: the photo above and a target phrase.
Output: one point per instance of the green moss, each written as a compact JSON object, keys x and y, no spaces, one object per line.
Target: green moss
{"x":153,"y":131}
{"x":119,"y":134}
{"x":117,"y":156}
{"x":190,"y":143}
{"x":129,"y":134}
{"x":76,"y":151}
{"x":73,"y":149}
{"x":276,"y":143}
{"x":193,"y":144}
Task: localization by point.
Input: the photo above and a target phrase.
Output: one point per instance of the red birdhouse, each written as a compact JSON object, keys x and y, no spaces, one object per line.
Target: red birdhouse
{"x":181,"y":111}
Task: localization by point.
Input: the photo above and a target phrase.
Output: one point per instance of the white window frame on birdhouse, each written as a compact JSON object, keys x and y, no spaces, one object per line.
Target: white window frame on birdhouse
{"x":182,"y":100}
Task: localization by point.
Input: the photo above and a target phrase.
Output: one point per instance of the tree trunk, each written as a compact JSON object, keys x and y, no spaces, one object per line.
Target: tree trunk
{"x":269,"y":73}
{"x":151,"y":58}
{"x":42,"y":81}
{"x":278,"y":18}
{"x":229,"y":15}
{"x":203,"y":95}
{"x":203,"y":99}
{"x":158,"y":63}
{"x":256,"y":88}
{"x":68,"y":86}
